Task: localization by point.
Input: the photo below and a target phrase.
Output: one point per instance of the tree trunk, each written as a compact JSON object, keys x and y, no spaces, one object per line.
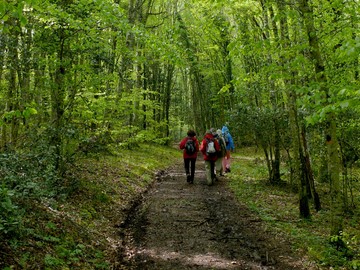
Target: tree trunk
{"x":309,"y":173}
{"x":199,"y":97}
{"x":57,"y":101}
{"x":12,"y":101}
{"x":275,"y":177}
{"x":168,"y":87}
{"x":298,"y":160}
{"x":2,"y":64}
{"x":337,"y":202}
{"x":331,"y":139}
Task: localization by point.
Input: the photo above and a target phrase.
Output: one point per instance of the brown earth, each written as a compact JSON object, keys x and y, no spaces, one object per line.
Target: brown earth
{"x":193,"y":226}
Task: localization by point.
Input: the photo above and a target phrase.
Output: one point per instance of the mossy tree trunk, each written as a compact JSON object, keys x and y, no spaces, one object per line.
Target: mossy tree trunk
{"x":311,"y":190}
{"x":330,"y":136}
{"x":299,"y":170}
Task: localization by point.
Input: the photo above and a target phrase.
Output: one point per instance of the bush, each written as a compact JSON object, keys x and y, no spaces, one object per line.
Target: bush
{"x":10,"y":219}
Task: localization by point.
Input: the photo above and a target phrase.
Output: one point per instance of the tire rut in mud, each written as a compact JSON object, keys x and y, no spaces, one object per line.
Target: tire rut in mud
{"x":194,"y":226}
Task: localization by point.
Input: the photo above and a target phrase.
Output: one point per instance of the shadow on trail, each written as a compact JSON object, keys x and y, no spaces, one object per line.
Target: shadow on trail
{"x":193,"y":226}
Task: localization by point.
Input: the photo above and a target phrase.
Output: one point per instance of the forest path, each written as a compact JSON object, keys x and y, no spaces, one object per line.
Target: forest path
{"x":193,"y":226}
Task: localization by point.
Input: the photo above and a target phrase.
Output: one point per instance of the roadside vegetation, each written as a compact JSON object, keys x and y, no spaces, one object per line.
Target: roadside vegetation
{"x":277,"y":206}
{"x":72,"y":222}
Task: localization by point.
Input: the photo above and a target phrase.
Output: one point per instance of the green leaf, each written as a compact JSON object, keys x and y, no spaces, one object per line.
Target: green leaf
{"x":28,"y":112}
{"x":344,"y":104}
{"x":5,"y":18}
{"x":23,"y":21}
{"x":224,"y":89}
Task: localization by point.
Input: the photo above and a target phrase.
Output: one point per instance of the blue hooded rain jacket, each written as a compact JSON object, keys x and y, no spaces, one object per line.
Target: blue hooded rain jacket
{"x":226,"y":133}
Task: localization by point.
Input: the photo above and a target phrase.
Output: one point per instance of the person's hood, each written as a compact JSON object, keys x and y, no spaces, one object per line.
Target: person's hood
{"x":224,"y":129}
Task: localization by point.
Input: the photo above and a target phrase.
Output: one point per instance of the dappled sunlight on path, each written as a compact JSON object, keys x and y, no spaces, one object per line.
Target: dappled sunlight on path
{"x":208,"y":261}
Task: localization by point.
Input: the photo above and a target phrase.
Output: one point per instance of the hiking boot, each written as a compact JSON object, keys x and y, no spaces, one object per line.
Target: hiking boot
{"x":188,"y":178}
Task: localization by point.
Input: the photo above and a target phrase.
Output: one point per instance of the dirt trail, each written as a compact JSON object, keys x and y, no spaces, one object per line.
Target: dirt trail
{"x":184,"y":226}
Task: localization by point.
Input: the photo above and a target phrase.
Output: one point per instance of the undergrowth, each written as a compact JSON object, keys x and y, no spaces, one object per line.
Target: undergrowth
{"x":278,"y":207}
{"x":70,"y":222}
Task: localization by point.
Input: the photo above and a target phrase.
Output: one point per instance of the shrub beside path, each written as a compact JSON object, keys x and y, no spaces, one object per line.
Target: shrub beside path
{"x":178,"y":225}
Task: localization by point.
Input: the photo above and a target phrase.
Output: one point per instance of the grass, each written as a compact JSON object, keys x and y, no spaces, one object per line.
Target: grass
{"x":79,"y":230}
{"x":278,"y":207}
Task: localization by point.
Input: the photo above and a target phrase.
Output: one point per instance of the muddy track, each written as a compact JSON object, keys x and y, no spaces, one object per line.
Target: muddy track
{"x":192,"y":226}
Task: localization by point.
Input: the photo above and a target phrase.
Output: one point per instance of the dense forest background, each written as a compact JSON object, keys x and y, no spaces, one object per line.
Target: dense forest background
{"x":84,"y":76}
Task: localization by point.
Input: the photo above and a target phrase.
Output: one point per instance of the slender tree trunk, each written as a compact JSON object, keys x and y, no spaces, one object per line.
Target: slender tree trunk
{"x":168,"y":87}
{"x":228,"y":102}
{"x":275,"y":142}
{"x":298,"y":160}
{"x":309,"y":172}
{"x":39,"y":86}
{"x":2,"y":64}
{"x":331,"y":138}
{"x":337,"y":202}
{"x":57,"y":100}
{"x":275,"y":177}
{"x":12,"y":103}
{"x":199,"y":97}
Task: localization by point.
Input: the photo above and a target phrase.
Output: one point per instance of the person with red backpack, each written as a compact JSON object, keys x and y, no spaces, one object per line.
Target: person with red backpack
{"x":190,"y":145}
{"x":210,"y":148}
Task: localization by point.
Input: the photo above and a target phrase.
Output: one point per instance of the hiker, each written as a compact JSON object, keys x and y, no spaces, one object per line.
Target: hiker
{"x":190,"y":145}
{"x":219,"y":170}
{"x":229,"y":147}
{"x":210,"y":148}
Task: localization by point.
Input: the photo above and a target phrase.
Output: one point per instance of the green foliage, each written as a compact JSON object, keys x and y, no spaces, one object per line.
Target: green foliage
{"x":53,"y":262}
{"x":66,"y":255}
{"x":310,"y":237}
{"x":63,"y":223}
{"x":25,"y":177}
{"x":11,"y":215}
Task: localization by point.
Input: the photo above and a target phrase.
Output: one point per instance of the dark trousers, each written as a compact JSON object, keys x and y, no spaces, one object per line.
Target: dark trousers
{"x":212,"y":168}
{"x":189,"y":164}
{"x":210,"y":174}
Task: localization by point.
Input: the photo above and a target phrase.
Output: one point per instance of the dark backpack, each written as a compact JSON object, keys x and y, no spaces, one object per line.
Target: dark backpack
{"x":222,"y":152}
{"x":190,"y":147}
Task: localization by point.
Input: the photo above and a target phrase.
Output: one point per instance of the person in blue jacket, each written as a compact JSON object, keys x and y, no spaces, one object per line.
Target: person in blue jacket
{"x":229,"y":147}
